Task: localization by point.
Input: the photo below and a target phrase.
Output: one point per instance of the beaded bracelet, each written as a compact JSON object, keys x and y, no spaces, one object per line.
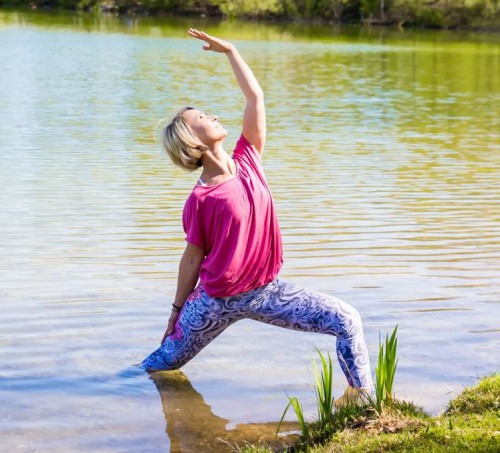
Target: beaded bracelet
{"x":176,"y":307}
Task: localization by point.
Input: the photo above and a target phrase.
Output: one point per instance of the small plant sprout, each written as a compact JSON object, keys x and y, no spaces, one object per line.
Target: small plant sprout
{"x":385,"y":371}
{"x":299,"y":412}
{"x":323,"y":389}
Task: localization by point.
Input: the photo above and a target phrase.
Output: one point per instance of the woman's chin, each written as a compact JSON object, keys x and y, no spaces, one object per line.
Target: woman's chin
{"x":223,"y":134}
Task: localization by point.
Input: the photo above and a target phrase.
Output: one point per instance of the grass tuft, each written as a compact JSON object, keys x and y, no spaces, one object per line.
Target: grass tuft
{"x":403,"y":427}
{"x":385,"y":372}
{"x":382,"y":423}
{"x":294,"y":402}
{"x":323,"y":388}
{"x":483,"y":397}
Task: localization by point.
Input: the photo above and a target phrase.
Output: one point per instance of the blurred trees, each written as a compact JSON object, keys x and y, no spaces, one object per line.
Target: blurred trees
{"x":421,"y":13}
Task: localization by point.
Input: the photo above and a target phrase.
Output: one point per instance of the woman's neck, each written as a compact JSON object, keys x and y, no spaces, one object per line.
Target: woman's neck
{"x":217,"y":166}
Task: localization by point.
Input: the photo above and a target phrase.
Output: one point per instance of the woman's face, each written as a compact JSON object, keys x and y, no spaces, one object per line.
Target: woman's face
{"x":206,"y":127}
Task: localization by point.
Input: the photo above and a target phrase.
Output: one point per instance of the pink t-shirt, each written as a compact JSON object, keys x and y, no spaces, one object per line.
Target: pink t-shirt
{"x":235,"y":223}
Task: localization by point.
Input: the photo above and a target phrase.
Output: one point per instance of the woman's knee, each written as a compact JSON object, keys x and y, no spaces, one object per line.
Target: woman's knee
{"x":353,"y":325}
{"x":348,"y":319}
{"x":355,"y":316}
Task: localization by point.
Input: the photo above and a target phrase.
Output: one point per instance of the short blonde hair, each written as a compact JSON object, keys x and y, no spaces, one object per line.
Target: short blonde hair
{"x":180,"y":142}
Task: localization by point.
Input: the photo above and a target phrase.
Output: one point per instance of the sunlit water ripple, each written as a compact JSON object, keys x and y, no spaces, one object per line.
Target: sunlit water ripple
{"x":384,"y":159}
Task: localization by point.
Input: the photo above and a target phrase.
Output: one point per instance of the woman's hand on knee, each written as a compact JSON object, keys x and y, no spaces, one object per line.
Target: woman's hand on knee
{"x":171,"y":325}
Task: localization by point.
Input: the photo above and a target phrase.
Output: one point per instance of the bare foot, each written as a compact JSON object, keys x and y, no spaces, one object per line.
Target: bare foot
{"x":350,"y":396}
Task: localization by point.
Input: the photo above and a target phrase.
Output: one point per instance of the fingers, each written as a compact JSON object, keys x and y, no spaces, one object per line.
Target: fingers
{"x":169,"y":331}
{"x":198,"y":34}
{"x":170,"y":326}
{"x":201,"y":35}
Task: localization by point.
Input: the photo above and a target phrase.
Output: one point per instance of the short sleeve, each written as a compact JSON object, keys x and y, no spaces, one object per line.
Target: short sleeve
{"x":244,"y":150}
{"x":191,"y":222}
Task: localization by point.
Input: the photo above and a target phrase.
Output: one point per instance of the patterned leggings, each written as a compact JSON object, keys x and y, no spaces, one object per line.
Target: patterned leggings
{"x":279,"y":303}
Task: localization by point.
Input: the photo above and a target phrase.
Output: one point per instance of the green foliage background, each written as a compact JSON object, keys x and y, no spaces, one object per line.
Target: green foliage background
{"x":420,"y":13}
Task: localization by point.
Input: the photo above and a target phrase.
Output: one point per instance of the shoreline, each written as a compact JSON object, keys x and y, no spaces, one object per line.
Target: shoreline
{"x":137,"y":10}
{"x":471,"y":422}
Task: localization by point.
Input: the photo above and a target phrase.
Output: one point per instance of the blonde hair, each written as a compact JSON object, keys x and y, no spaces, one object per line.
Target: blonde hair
{"x":181,"y":143}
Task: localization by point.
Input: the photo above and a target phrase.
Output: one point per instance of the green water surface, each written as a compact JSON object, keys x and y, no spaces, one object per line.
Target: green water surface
{"x":383,"y":156}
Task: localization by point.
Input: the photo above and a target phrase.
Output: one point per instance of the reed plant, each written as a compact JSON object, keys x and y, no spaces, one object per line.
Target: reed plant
{"x":329,"y":420}
{"x":294,"y":402}
{"x":323,"y":389}
{"x":385,"y":372}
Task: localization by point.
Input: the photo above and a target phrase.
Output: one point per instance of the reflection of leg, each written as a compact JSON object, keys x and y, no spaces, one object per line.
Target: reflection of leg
{"x":201,"y":320}
{"x":191,"y":425}
{"x":290,"y":306}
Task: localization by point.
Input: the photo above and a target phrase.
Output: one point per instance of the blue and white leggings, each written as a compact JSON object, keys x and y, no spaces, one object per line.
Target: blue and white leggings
{"x":279,"y":303}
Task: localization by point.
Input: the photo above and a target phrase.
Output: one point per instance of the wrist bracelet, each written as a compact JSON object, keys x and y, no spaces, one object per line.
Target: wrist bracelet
{"x":176,"y":307}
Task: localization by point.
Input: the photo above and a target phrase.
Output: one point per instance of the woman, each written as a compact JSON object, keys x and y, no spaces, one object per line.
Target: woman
{"x":234,"y":242}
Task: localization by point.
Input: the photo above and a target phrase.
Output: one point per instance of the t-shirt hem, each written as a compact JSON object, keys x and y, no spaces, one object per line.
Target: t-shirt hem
{"x":237,"y":293}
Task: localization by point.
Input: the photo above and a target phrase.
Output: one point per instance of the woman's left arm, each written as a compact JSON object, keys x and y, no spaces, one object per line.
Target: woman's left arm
{"x":254,"y":118}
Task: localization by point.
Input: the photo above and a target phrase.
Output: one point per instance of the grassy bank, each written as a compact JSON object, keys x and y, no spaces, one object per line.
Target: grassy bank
{"x":452,"y":14}
{"x":471,"y":423}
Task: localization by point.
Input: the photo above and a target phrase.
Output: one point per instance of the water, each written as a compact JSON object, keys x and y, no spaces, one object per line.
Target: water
{"x":383,"y":154}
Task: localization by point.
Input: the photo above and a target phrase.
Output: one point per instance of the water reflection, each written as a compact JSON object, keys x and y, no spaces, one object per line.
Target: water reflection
{"x":384,"y":159}
{"x":192,"y":427}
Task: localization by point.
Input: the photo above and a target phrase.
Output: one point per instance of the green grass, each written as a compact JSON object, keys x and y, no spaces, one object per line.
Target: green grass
{"x":323,"y":389}
{"x":294,"y":403}
{"x":483,"y":397}
{"x":329,"y":420}
{"x":385,"y":371}
{"x":462,"y":433}
{"x":470,"y":424}
{"x":381,"y":423}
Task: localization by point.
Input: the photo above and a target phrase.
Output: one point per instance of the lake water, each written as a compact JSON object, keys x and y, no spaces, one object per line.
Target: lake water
{"x":383,"y":155}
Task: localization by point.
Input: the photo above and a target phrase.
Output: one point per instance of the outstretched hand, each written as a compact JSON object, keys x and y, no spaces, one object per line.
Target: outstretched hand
{"x":212,"y":43}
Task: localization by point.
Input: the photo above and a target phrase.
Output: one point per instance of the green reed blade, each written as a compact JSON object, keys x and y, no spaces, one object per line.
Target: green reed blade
{"x":297,"y":407}
{"x":299,"y":413}
{"x":386,"y":370}
{"x":324,"y":387}
{"x":391,"y":361}
{"x":380,"y":380}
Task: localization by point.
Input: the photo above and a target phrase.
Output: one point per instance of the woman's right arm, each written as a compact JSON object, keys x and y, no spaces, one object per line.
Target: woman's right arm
{"x":254,"y":117}
{"x":189,"y":272}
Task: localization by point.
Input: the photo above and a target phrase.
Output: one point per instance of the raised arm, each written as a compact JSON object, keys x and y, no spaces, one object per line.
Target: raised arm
{"x":254,"y":117}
